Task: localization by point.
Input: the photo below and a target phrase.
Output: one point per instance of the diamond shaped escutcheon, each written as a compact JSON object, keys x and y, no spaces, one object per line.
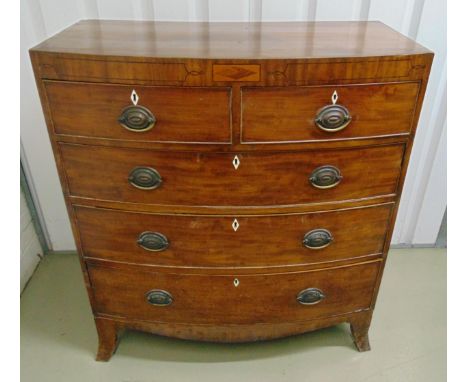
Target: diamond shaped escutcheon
{"x":334,"y":97}
{"x":235,"y":225}
{"x":236,"y":162}
{"x":134,"y":97}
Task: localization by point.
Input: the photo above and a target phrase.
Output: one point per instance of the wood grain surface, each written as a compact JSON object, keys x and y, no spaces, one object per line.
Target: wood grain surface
{"x":209,"y":241}
{"x":216,"y":300}
{"x":288,"y":114}
{"x":231,"y":40}
{"x":200,"y":179}
{"x":182,"y":114}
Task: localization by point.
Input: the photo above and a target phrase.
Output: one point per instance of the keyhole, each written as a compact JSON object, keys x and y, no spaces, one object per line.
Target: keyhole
{"x":236,"y":282}
{"x":134,"y":97}
{"x":334,"y":97}
{"x":235,"y":225}
{"x":236,"y":162}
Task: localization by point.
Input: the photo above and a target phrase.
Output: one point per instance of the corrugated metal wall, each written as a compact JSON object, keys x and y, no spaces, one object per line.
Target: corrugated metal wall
{"x":424,"y":198}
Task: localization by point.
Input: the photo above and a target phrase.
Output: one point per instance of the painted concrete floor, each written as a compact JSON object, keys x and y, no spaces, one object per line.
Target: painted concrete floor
{"x":408,"y":336}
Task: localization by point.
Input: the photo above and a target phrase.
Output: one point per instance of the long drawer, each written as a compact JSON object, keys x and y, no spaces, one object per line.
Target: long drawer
{"x":232,"y":299}
{"x":249,"y":241}
{"x":301,"y":114}
{"x":161,"y":114}
{"x":225,"y":179}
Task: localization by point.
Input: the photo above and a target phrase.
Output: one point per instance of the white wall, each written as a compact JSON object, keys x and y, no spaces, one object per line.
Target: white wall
{"x":424,"y":196}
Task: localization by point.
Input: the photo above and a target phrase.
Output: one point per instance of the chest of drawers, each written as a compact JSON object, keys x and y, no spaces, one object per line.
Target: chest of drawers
{"x":231,"y":181}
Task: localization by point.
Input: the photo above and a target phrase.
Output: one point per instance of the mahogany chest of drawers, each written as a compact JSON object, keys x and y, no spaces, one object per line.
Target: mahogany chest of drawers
{"x":231,"y":181}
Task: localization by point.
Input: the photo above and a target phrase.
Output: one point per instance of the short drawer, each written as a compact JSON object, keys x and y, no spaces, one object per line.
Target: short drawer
{"x":222,"y":241}
{"x":224,"y":179}
{"x":315,"y":113}
{"x":232,"y":299}
{"x":161,"y":114}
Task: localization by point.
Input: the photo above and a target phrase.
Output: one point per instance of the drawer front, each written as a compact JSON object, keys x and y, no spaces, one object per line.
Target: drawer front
{"x":248,"y":241}
{"x":162,"y":114}
{"x":200,"y":179}
{"x":232,"y":299}
{"x":301,"y":114}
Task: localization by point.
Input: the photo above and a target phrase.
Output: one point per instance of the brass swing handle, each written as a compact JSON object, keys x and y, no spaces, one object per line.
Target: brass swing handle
{"x":145,"y":178}
{"x":325,"y":177}
{"x":153,"y":241}
{"x":317,"y":239}
{"x":159,"y":297}
{"x":137,"y":118}
{"x":310,"y":296}
{"x":332,"y":118}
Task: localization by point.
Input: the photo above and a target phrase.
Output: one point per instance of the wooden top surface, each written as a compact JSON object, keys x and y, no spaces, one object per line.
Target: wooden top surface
{"x":241,"y":40}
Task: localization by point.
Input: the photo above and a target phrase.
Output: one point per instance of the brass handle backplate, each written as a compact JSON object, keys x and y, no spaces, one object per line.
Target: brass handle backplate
{"x":153,"y":241}
{"x":325,"y":177}
{"x":137,"y":118}
{"x":332,"y":118}
{"x":310,"y":296}
{"x":317,"y":239}
{"x":145,"y":178}
{"x":159,"y":297}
